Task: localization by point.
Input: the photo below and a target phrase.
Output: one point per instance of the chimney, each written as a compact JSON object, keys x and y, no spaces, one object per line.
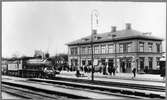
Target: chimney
{"x":128,"y":26}
{"x":94,"y":31}
{"x":113,"y":29}
{"x":149,"y":33}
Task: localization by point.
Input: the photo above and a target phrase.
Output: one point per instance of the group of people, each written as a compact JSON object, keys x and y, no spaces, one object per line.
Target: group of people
{"x":112,"y":70}
{"x":102,"y":69}
{"x":86,"y":69}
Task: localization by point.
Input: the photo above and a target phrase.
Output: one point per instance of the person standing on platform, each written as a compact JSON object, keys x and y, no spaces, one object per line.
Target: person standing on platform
{"x":114,"y":69}
{"x":110,"y":70}
{"x":133,"y":68}
{"x":134,"y":72}
{"x":104,"y":70}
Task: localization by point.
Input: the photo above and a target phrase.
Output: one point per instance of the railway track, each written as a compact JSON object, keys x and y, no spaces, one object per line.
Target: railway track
{"x":133,"y":92}
{"x":28,"y":93}
{"x":116,"y":84}
{"x":97,"y":90}
{"x":40,"y":93}
{"x":31,"y":92}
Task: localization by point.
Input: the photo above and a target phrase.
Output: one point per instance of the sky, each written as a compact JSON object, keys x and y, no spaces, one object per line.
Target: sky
{"x":48,"y":26}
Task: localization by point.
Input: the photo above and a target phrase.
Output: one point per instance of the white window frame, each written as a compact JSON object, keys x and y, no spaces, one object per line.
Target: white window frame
{"x":110,"y":48}
{"x":141,"y":47}
{"x":103,"y":49}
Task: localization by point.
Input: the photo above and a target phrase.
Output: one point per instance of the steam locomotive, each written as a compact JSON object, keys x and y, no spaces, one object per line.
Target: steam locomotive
{"x":29,"y":68}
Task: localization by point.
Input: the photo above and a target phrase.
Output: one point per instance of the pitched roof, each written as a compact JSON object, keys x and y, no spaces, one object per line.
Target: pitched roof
{"x":119,"y":35}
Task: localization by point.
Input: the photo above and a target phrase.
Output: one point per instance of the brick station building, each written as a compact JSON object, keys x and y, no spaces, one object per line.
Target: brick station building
{"x":121,"y":48}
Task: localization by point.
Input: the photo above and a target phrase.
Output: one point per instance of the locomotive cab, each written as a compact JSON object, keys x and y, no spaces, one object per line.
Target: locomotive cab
{"x":50,"y":72}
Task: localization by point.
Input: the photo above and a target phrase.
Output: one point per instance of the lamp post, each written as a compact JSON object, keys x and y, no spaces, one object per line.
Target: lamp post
{"x":80,"y":56}
{"x":92,"y":57}
{"x":79,"y":64}
{"x":92,"y":35}
{"x":113,"y":36}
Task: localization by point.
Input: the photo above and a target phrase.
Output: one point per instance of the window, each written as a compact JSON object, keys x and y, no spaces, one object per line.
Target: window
{"x":157,"y":60}
{"x":103,"y":49}
{"x":110,"y":48}
{"x":150,"y":61}
{"x":150,"y":47}
{"x":125,"y":47}
{"x":74,"y":51}
{"x":158,"y":48}
{"x":89,"y":50}
{"x":121,"y":48}
{"x":83,"y":50}
{"x":96,"y":49}
{"x":129,"y":47}
{"x":141,"y":48}
{"x":141,"y":62}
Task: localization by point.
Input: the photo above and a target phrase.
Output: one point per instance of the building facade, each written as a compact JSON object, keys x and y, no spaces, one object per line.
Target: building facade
{"x":122,"y":49}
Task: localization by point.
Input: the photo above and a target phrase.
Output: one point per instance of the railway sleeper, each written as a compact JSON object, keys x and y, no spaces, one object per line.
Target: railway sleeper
{"x":150,"y":95}
{"x":155,"y":96}
{"x":127,"y":92}
{"x":140,"y":93}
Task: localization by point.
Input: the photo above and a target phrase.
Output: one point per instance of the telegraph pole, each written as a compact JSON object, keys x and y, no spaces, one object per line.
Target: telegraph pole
{"x":92,"y":36}
{"x":92,"y":44}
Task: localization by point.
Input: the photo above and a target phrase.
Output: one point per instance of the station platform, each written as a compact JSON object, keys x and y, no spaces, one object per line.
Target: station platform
{"x":145,"y":79}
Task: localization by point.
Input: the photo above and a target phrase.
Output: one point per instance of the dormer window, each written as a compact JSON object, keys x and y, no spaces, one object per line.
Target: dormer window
{"x":98,"y":38}
{"x":85,"y":39}
{"x":114,"y":35}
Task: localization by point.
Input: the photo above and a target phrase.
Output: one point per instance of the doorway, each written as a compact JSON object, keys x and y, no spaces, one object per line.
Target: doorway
{"x":141,"y":63}
{"x":122,"y":65}
{"x":128,"y":66}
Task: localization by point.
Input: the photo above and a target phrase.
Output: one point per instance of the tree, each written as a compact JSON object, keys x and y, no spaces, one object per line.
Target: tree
{"x":15,"y":55}
{"x":47,"y":55}
{"x":38,"y":54}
